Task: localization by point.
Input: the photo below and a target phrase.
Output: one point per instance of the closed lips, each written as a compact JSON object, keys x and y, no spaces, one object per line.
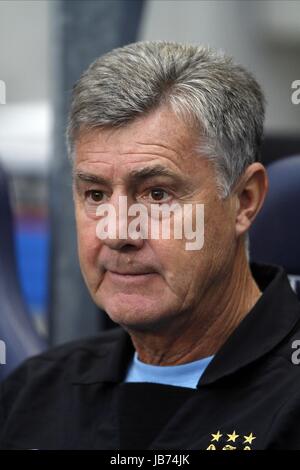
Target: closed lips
{"x":130,"y":273}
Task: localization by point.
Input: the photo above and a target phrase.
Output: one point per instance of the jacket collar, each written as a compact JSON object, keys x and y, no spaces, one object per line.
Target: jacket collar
{"x":270,"y":320}
{"x":110,"y":361}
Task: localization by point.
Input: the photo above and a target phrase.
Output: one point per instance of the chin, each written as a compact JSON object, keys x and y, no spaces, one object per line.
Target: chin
{"x":137,"y":313}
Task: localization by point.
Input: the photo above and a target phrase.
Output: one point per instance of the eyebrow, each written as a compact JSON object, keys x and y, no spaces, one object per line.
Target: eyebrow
{"x":135,"y":176}
{"x":142,"y":174}
{"x":89,"y":178}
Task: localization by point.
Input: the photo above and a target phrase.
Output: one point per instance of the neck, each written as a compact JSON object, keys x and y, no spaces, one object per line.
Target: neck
{"x":200,"y":334}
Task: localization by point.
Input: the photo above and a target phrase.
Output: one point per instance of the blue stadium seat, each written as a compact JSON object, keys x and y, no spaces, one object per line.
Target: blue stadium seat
{"x":275,"y":234}
{"x":18,"y":338}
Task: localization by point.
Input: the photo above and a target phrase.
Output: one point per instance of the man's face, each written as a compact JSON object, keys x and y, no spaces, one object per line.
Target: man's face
{"x":148,"y":283}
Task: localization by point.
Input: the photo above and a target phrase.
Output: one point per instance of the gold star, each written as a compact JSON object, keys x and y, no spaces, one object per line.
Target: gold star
{"x":249,"y":439}
{"x":216,"y":437}
{"x":232,"y":437}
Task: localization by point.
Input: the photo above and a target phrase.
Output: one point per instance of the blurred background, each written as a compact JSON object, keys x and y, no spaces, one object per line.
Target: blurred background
{"x":44,"y":47}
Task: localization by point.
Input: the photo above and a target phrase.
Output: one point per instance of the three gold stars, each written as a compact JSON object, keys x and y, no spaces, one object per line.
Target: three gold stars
{"x":233,"y":437}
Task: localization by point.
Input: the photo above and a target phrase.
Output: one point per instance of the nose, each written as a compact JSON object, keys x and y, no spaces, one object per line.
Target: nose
{"x":123,"y":244}
{"x":115,"y":230}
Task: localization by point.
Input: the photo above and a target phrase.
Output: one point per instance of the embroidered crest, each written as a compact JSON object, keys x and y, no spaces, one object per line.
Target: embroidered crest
{"x":230,"y":441}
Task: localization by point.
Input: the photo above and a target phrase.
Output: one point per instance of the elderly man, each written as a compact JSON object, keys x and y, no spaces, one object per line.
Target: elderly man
{"x":203,"y":356}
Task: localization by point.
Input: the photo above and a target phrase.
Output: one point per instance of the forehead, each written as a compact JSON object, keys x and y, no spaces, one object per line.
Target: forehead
{"x":158,"y":137}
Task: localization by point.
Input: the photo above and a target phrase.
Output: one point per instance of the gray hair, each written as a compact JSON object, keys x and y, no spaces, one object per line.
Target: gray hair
{"x":222,"y":100}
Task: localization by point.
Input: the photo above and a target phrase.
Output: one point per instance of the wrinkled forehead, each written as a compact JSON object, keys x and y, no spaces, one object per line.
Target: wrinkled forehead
{"x":158,"y":138}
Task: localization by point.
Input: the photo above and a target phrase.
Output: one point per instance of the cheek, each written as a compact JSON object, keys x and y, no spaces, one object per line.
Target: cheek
{"x":177,"y":263}
{"x":219,"y":238}
{"x":168,"y":252}
{"x":88,"y":243}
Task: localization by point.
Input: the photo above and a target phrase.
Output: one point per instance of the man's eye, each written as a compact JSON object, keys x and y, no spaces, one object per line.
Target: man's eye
{"x":158,"y":194}
{"x":94,"y":195}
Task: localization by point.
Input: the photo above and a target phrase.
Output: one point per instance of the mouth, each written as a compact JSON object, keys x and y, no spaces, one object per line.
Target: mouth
{"x":130,"y":277}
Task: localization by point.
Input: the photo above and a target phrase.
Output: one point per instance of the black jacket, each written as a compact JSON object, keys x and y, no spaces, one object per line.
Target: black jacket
{"x":72,"y":397}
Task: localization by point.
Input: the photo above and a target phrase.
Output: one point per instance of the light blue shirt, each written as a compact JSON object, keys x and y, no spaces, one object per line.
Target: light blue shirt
{"x":183,"y":375}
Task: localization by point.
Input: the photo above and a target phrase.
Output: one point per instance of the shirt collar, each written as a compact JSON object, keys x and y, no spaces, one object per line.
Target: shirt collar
{"x":270,"y":320}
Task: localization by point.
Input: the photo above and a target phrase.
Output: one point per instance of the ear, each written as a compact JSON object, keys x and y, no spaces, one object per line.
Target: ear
{"x":250,"y":193}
